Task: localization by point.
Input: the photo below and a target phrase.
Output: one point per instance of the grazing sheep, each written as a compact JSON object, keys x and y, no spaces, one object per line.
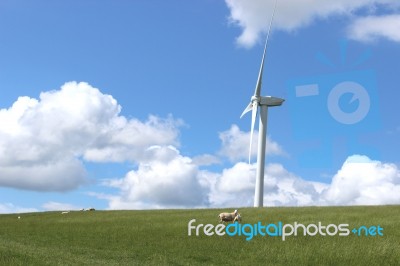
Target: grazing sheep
{"x":88,"y":209}
{"x":64,"y":212}
{"x":227,"y":216}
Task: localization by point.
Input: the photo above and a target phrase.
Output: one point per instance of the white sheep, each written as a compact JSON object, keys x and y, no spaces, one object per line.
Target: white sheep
{"x":64,"y":212}
{"x":227,"y":216}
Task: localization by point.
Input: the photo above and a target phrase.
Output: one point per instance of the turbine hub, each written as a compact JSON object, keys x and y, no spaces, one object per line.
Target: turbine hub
{"x":255,"y":99}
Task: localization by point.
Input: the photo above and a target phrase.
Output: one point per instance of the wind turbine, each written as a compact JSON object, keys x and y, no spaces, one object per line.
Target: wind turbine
{"x":262,"y":102}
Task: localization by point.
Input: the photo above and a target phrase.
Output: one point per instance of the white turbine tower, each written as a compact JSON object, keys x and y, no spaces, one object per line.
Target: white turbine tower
{"x":263,"y":102}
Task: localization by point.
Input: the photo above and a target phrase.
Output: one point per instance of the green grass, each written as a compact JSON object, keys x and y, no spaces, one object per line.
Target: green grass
{"x":161,"y":238}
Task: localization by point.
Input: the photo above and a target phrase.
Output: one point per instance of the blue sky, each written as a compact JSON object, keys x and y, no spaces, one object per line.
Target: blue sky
{"x":136,"y":104}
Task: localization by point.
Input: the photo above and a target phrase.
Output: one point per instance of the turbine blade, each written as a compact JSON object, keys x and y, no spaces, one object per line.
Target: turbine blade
{"x":257,"y":91}
{"x":247,"y":109}
{"x":253,"y":121}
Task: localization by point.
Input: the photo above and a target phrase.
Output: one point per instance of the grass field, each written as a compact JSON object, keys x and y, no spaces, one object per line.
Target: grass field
{"x":160,"y":237}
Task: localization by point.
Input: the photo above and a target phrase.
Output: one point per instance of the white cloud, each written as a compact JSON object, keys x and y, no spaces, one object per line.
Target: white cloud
{"x":235,"y":144}
{"x":362,"y":181}
{"x":166,"y":180}
{"x":126,"y":140}
{"x":11,"y":208}
{"x":42,"y":139}
{"x":253,"y":17}
{"x":372,"y":27}
{"x":286,"y":189}
{"x":47,"y":175}
{"x":235,"y":187}
{"x":43,"y":143}
{"x":170,"y":180}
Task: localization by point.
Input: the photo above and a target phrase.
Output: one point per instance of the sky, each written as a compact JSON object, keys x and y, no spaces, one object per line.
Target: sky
{"x":136,"y":104}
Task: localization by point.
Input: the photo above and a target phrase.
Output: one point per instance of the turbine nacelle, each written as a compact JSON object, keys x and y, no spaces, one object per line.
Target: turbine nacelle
{"x":255,"y":101}
{"x":271,"y":101}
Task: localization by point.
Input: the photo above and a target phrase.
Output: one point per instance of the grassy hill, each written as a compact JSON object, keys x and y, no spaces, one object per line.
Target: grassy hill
{"x":160,"y":237}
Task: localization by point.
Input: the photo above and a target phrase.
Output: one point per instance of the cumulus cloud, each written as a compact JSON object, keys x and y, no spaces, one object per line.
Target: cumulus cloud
{"x":48,"y":175}
{"x":235,"y":144}
{"x":175,"y":182}
{"x":43,"y":141}
{"x":362,"y":181}
{"x":127,"y":139}
{"x":235,"y":187}
{"x":165,"y":180}
{"x":253,"y":17}
{"x":373,"y":27}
